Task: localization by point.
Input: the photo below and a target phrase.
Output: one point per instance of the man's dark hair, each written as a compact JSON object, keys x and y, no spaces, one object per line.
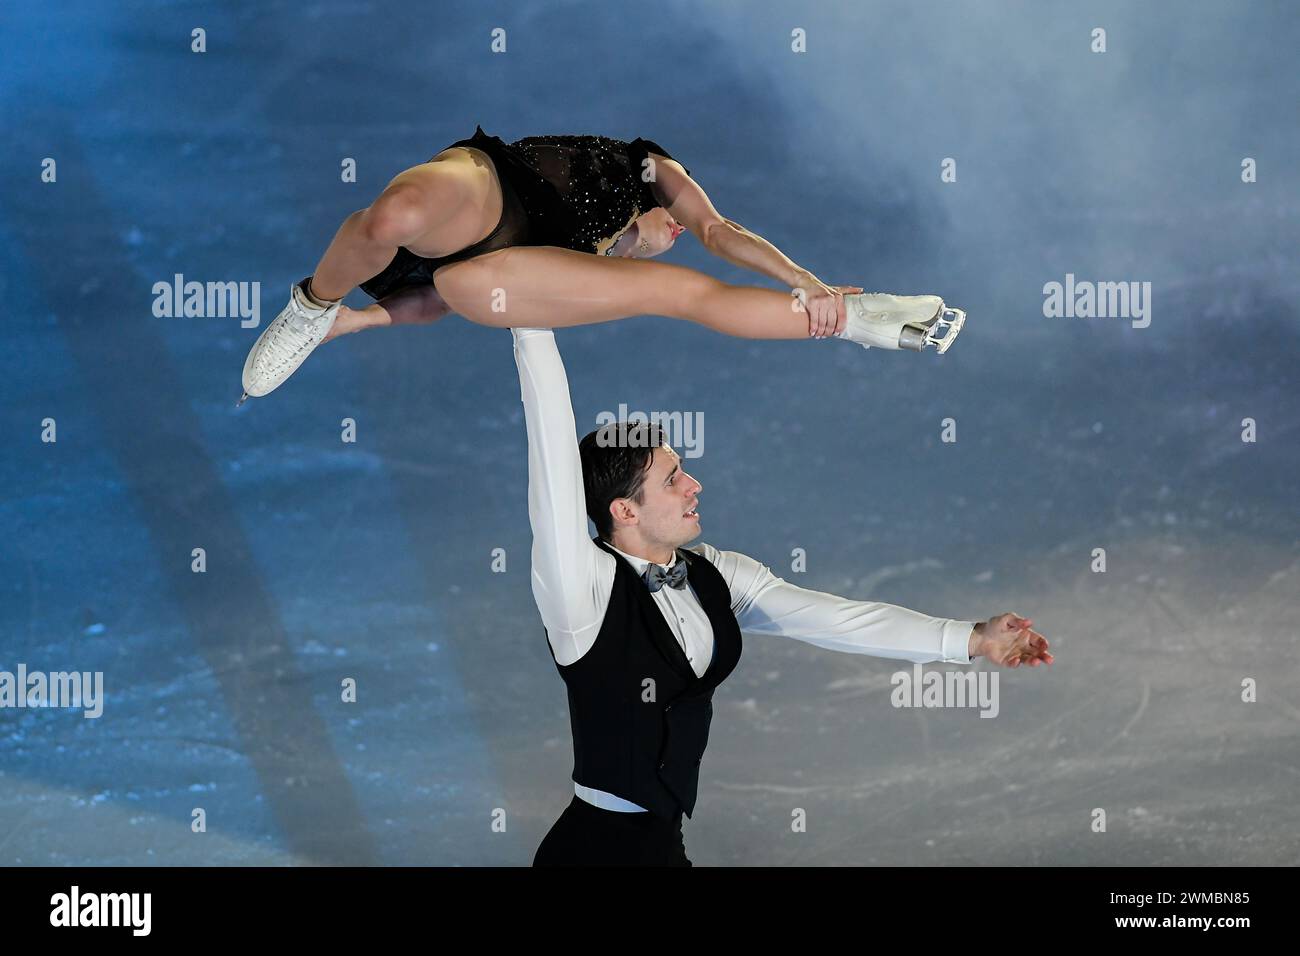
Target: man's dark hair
{"x":615,"y":460}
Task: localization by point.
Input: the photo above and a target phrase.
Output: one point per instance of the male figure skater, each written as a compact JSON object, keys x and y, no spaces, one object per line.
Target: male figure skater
{"x":643,"y":630}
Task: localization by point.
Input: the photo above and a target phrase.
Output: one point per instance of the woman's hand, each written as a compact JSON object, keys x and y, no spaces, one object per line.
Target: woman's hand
{"x":823,"y":303}
{"x":414,"y":305}
{"x":354,"y":320}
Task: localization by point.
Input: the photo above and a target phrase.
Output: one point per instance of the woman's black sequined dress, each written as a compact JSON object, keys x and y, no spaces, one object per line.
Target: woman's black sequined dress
{"x":576,"y":192}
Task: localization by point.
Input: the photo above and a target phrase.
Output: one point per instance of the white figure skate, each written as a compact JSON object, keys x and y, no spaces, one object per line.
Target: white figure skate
{"x":884,"y":321}
{"x":286,"y":342}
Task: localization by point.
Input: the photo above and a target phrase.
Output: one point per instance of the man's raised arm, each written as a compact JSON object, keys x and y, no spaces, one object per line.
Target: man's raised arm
{"x":568,"y":571}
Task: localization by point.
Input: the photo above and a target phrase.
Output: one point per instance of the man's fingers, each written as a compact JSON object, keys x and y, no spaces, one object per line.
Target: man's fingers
{"x":1038,"y":644}
{"x":1038,"y":648}
{"x":1015,"y":622}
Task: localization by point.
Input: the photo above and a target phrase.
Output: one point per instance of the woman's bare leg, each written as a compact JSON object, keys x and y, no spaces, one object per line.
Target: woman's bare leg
{"x":550,"y":287}
{"x":356,"y":253}
{"x":412,"y":211}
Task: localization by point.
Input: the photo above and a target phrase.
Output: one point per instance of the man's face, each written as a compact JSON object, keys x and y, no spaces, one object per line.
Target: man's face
{"x":668,"y":494}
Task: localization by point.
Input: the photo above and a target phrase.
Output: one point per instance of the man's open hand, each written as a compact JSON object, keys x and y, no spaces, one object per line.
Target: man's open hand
{"x":1008,"y":640}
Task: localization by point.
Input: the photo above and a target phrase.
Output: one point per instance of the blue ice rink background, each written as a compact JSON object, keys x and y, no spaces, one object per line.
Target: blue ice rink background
{"x":373,"y":560}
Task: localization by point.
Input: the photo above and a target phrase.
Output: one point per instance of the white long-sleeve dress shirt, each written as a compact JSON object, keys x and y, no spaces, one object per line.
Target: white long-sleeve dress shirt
{"x":572,"y":578}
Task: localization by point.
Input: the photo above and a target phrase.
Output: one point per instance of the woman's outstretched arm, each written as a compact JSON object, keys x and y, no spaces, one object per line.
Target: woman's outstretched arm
{"x":727,"y":239}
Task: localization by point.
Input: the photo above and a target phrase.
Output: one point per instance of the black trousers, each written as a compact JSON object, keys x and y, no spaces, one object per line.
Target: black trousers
{"x":586,"y":835}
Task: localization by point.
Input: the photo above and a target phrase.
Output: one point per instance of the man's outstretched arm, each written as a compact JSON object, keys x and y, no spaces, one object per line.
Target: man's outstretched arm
{"x":571,"y":577}
{"x":766,"y":604}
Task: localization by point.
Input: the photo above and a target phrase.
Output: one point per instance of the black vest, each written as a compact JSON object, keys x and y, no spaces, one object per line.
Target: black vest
{"x":639,"y":714}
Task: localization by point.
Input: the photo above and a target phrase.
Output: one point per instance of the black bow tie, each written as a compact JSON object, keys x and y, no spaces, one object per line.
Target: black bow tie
{"x":656,"y":576}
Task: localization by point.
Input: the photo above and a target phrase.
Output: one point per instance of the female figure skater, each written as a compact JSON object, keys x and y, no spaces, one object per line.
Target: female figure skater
{"x":547,"y":232}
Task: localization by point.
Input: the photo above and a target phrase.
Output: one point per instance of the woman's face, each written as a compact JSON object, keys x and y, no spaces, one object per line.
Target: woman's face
{"x":659,"y":230}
